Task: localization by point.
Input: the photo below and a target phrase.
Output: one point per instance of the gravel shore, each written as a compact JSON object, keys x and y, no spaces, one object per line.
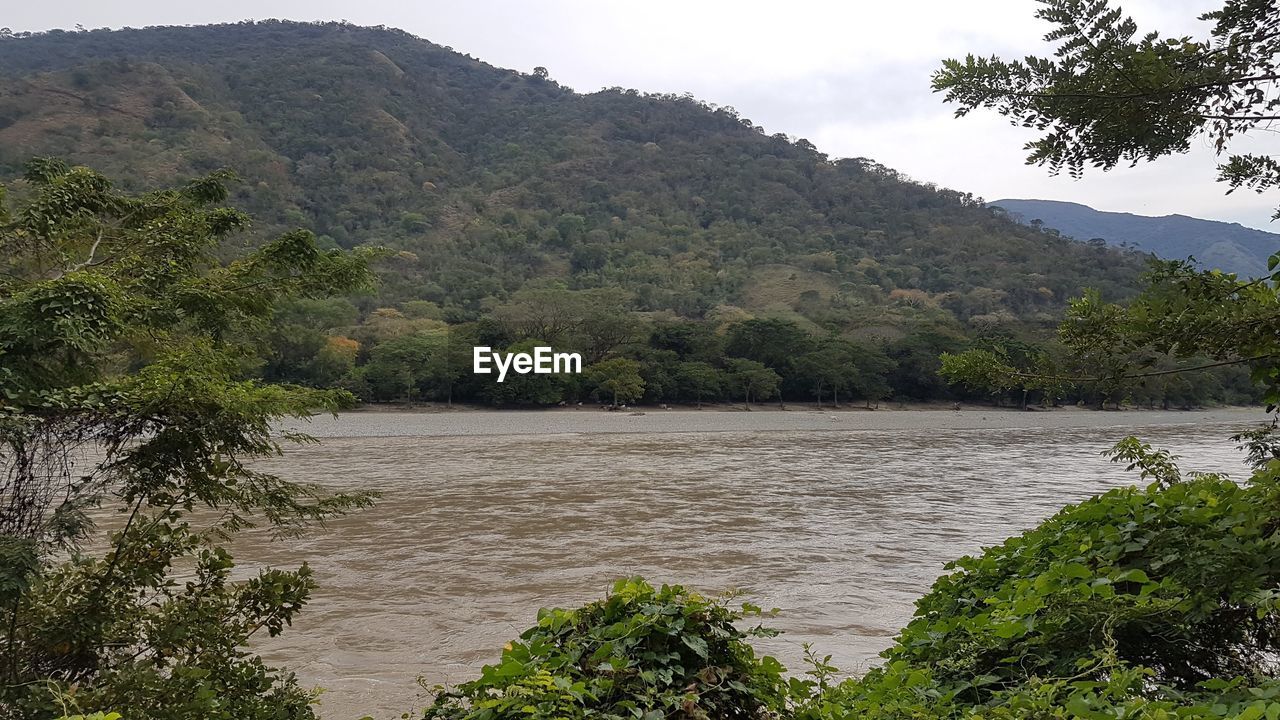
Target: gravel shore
{"x":590,"y":420}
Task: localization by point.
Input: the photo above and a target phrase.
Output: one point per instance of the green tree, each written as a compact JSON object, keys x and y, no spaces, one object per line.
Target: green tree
{"x":456,"y":363}
{"x":122,"y":332}
{"x":619,"y":377}
{"x":699,"y":380}
{"x":872,"y":369}
{"x":660,"y":370}
{"x":1015,"y":358}
{"x":840,"y":364}
{"x":692,"y":341}
{"x":1186,"y":321}
{"x":606,"y":326}
{"x":826,"y":368}
{"x":1107,"y":98}
{"x":753,"y":379}
{"x":408,"y":365}
{"x":773,"y":342}
{"x":1111,"y":95}
{"x":1075,"y":600}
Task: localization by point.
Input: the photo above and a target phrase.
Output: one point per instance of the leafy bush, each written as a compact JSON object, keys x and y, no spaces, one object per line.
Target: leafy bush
{"x":639,"y":653}
{"x":1152,"y":602}
{"x":122,"y":347}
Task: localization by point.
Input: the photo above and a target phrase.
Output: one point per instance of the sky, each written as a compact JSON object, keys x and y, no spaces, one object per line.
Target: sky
{"x":850,"y":76}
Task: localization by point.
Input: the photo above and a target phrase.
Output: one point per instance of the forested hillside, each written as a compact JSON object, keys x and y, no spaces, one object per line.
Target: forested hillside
{"x":507,"y":199}
{"x":1227,"y":246}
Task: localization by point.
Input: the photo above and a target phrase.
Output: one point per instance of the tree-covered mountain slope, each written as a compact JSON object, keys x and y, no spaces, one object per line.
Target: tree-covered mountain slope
{"x":489,"y":180}
{"x":1228,"y":246}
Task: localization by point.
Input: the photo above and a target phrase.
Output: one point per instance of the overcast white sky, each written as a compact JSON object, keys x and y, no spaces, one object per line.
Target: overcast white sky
{"x":852,"y":76}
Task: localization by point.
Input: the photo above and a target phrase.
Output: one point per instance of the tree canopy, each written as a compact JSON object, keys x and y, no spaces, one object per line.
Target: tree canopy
{"x":1111,"y":94}
{"x":123,"y":384}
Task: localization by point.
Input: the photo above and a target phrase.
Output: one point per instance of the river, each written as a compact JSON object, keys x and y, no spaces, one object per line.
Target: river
{"x":840,"y":519}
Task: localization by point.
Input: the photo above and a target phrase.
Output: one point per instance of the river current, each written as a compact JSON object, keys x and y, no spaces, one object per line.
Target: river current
{"x":839,"y":519}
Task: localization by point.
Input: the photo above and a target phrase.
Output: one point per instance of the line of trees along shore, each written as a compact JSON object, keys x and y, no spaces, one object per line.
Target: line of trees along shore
{"x":411,"y":354}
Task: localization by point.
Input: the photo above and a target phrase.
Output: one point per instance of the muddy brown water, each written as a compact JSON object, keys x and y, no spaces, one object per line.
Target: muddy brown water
{"x":839,"y":519}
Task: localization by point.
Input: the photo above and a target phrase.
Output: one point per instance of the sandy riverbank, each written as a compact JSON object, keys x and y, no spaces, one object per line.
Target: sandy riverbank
{"x":592,"y":420}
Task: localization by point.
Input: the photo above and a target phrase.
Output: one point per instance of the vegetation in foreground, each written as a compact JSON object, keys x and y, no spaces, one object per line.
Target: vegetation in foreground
{"x":122,"y":386}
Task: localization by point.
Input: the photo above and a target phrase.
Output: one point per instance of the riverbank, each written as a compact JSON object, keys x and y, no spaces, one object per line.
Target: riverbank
{"x":592,"y":420}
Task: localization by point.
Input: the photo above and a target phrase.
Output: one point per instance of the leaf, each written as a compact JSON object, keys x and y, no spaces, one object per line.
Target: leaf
{"x":696,"y":644}
{"x":1132,"y":575}
{"x":1075,"y":570}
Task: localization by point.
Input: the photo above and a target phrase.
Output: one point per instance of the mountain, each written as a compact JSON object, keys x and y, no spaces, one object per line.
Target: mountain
{"x":489,"y":180}
{"x":1228,"y":246}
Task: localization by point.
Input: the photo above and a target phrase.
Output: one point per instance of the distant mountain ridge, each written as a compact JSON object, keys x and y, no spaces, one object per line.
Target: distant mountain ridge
{"x":1231,"y":247}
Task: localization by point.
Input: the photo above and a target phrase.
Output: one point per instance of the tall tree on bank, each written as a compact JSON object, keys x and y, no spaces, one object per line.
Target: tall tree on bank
{"x":753,"y":379}
{"x":123,"y":339}
{"x":1109,"y":95}
{"x":618,"y":378}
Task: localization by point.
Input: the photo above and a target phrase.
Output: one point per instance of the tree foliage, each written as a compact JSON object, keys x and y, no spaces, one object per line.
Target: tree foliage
{"x":123,"y":341}
{"x":1141,"y":602}
{"x":617,"y":378}
{"x":1185,"y":324}
{"x":1110,"y":95}
{"x":641,"y":652}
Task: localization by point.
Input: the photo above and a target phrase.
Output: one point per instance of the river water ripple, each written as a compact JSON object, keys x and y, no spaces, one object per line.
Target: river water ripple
{"x":839,"y":524}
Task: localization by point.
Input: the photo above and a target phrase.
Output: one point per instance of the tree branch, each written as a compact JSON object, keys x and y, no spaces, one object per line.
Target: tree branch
{"x":1241,"y":117}
{"x":1133,"y":96}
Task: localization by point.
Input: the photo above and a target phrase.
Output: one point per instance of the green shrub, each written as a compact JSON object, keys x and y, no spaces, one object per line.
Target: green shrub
{"x":1152,"y":602}
{"x":640,"y":652}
